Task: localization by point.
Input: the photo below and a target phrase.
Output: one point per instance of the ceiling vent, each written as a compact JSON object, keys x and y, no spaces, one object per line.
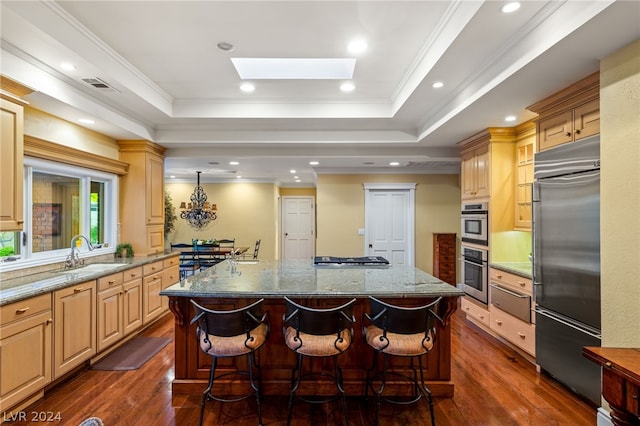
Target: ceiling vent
{"x":435,"y":166}
{"x":99,"y":84}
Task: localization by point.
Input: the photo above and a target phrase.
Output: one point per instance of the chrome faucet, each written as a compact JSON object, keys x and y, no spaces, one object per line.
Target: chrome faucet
{"x":73,"y":259}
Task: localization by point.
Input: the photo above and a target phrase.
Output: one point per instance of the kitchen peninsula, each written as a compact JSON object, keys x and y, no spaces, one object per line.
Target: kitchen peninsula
{"x":229,"y":286}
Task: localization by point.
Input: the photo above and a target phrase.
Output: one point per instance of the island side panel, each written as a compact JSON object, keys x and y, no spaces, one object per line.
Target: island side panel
{"x":192,"y":365}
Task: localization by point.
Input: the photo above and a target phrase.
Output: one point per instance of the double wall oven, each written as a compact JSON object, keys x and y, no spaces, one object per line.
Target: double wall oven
{"x":475,"y":254}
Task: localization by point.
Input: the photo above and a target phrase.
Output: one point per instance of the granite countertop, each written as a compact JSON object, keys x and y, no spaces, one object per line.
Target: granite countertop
{"x":20,"y":288}
{"x":274,"y":278}
{"x":523,"y":269}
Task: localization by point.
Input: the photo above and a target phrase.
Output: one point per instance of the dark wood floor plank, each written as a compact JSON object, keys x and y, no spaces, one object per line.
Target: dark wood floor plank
{"x":494,"y":386}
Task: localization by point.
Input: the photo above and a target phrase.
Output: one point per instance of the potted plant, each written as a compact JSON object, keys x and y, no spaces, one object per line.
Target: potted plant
{"x":124,"y":250}
{"x":169,"y":215}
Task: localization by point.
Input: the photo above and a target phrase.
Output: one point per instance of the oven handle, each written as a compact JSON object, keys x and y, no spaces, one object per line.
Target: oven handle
{"x":482,"y":263}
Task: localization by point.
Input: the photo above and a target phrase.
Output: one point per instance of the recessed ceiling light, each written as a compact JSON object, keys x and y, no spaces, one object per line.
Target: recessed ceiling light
{"x":233,"y":163}
{"x":292,"y":171}
{"x":437,"y":84}
{"x":394,"y":163}
{"x":298,"y":180}
{"x":357,"y":46}
{"x":172,"y":176}
{"x":239,"y":177}
{"x":247,"y":87}
{"x":510,"y":7}
{"x":67,"y":66}
{"x":347,"y":87}
{"x":214,"y":163}
{"x":296,"y":177}
{"x":510,"y":118}
{"x":86,"y":121}
{"x":313,"y":163}
{"x":224,"y":46}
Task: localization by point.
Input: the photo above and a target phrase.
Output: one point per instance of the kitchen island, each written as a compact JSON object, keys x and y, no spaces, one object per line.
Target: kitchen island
{"x":229,"y":286}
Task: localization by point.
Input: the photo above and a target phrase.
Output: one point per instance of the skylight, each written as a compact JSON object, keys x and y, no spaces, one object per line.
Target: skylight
{"x":294,"y":68}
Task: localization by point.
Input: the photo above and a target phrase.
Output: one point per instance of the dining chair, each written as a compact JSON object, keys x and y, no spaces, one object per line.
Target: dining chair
{"x":317,"y":333}
{"x":228,"y":334}
{"x":396,"y":331}
{"x":188,"y":261}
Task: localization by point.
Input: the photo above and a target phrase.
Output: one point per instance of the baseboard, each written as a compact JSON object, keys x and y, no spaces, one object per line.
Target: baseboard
{"x":603,"y":418}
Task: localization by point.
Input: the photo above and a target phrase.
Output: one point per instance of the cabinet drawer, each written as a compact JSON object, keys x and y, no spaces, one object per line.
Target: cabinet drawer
{"x":476,"y":312}
{"x":512,"y":302}
{"x":132,"y":274}
{"x":523,"y":285}
{"x":24,"y":308}
{"x":152,"y":268}
{"x":110,"y":281}
{"x":517,"y":332}
{"x":172,"y":261}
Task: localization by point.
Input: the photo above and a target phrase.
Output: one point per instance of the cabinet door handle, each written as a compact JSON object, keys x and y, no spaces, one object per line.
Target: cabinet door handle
{"x":498,"y":322}
{"x":577,"y":132}
{"x":522,"y":283}
{"x":78,"y":290}
{"x":499,"y":276}
{"x":111,"y":282}
{"x":522,"y":335}
{"x":49,"y":321}
{"x":22,"y":310}
{"x":568,"y":134}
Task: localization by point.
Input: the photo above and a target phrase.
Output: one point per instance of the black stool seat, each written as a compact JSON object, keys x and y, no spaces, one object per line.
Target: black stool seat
{"x":317,"y":333}
{"x":392,"y":330}
{"x":232,"y":333}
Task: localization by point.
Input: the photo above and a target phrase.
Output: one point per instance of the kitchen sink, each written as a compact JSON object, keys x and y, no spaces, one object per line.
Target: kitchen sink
{"x":93,"y":268}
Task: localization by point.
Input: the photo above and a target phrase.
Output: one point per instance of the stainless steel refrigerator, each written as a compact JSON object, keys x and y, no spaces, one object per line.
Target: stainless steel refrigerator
{"x":566,"y":262}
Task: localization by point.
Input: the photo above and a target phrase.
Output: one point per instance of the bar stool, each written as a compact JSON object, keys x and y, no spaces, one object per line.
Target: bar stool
{"x":232,"y":333}
{"x":399,"y":331}
{"x":317,"y":333}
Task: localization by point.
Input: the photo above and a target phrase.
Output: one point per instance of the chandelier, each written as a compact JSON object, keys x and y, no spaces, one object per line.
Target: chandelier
{"x":198,"y":213}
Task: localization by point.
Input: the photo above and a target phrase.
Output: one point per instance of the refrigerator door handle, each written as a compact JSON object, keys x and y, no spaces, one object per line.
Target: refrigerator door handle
{"x":548,"y":314}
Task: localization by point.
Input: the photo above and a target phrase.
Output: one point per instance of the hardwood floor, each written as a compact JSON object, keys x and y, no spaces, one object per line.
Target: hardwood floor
{"x":494,"y":386}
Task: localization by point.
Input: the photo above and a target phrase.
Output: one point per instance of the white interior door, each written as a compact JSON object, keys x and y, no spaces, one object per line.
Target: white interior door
{"x":390,"y":222}
{"x":297,"y":228}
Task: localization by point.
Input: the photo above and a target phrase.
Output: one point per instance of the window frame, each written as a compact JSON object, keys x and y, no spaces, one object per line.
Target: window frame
{"x":86,"y":176}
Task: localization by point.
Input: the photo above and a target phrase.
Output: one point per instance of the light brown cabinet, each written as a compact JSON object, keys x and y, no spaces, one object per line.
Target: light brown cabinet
{"x":475,"y":172}
{"x":132,"y":309}
{"x":74,"y":336}
{"x":25,"y":349}
{"x":152,"y":305}
{"x":11,"y":155}
{"x":110,"y":310}
{"x":525,"y":149}
{"x":569,"y":115}
{"x":142,"y":196}
{"x":171,"y":275}
{"x":504,"y":321}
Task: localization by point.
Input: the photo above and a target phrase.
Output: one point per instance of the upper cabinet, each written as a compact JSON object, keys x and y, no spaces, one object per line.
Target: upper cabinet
{"x":525,"y":148}
{"x":475,"y":172}
{"x":11,"y":153}
{"x":569,"y":115}
{"x":142,"y":197}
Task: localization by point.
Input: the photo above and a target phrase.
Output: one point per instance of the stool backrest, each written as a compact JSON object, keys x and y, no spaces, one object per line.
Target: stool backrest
{"x":403,"y":320}
{"x":228,"y":323}
{"x":319,"y":321}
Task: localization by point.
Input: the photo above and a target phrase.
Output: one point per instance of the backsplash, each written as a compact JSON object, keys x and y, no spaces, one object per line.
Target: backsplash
{"x":510,"y":246}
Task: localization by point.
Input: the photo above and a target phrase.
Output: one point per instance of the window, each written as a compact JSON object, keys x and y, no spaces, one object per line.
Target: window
{"x":62,"y":201}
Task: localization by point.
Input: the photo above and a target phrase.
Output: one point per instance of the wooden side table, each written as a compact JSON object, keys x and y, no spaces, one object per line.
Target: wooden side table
{"x":620,"y":381}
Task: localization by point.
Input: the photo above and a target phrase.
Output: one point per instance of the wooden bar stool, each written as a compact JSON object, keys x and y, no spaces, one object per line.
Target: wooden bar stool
{"x":399,"y":331}
{"x":233,"y":333}
{"x":317,"y":333}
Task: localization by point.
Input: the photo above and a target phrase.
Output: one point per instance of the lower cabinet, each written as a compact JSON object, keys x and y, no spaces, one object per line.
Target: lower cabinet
{"x":74,"y":318}
{"x":132,"y":310}
{"x":171,"y":275}
{"x":152,"y":306}
{"x":475,"y":312}
{"x":520,"y":333}
{"x":25,"y":349}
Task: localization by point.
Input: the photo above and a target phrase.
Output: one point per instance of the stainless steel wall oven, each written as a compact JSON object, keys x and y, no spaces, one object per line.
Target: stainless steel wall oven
{"x":475,"y":273}
{"x":475,"y":223}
